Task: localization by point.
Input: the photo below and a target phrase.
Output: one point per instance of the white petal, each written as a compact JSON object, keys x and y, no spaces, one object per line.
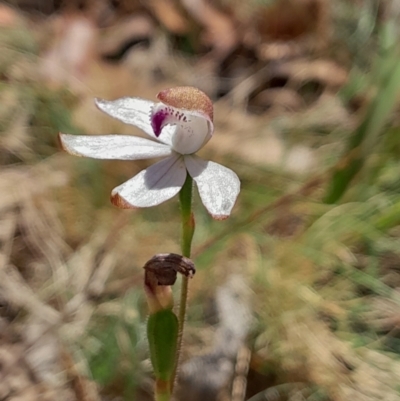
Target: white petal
{"x":218,"y":186}
{"x":129,"y":110}
{"x":121,"y":147}
{"x":152,"y":186}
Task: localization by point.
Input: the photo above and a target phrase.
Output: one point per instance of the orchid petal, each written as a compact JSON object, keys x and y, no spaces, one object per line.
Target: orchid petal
{"x":121,"y":147}
{"x":218,"y":186}
{"x":152,"y":186}
{"x":129,"y":110}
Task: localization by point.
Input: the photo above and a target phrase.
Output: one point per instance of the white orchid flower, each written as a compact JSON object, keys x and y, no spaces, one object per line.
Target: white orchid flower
{"x":179,"y":125}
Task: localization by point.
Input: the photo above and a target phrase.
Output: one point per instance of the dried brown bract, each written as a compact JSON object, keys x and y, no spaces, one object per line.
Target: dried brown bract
{"x":162,"y":268}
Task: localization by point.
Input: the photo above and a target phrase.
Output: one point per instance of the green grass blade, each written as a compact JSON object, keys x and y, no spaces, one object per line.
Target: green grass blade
{"x":365,"y":138}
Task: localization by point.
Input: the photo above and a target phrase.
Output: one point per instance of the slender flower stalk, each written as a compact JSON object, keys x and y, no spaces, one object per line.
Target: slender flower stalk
{"x":188,"y":224}
{"x":188,"y":227}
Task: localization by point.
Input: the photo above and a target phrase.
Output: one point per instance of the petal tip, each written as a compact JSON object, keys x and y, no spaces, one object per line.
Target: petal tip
{"x":220,"y":217}
{"x":118,"y":201}
{"x":60,"y":140}
{"x":99,"y":102}
{"x":63,"y":142}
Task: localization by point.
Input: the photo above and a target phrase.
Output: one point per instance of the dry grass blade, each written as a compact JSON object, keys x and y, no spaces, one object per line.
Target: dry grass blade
{"x":241,"y":370}
{"x":7,"y":229}
{"x":15,"y":290}
{"x":170,"y":16}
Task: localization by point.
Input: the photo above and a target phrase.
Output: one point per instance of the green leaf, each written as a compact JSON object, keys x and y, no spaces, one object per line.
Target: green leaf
{"x":162,"y":333}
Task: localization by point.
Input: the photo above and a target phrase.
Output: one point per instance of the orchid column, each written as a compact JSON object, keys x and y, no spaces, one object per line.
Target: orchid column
{"x":179,"y":125}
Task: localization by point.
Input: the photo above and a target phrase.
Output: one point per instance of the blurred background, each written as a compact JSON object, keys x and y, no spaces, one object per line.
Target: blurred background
{"x":296,"y":296}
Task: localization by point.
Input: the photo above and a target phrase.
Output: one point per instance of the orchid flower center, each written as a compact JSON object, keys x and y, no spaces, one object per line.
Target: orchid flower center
{"x":162,"y":116}
{"x":188,"y":112}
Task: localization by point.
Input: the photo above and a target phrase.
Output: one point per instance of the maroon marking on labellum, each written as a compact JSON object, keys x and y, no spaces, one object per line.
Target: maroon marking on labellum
{"x":157,"y":120}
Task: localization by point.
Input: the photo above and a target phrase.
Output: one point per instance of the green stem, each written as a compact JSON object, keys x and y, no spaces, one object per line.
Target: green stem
{"x":163,"y":391}
{"x":185,"y":198}
{"x":188,"y":225}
